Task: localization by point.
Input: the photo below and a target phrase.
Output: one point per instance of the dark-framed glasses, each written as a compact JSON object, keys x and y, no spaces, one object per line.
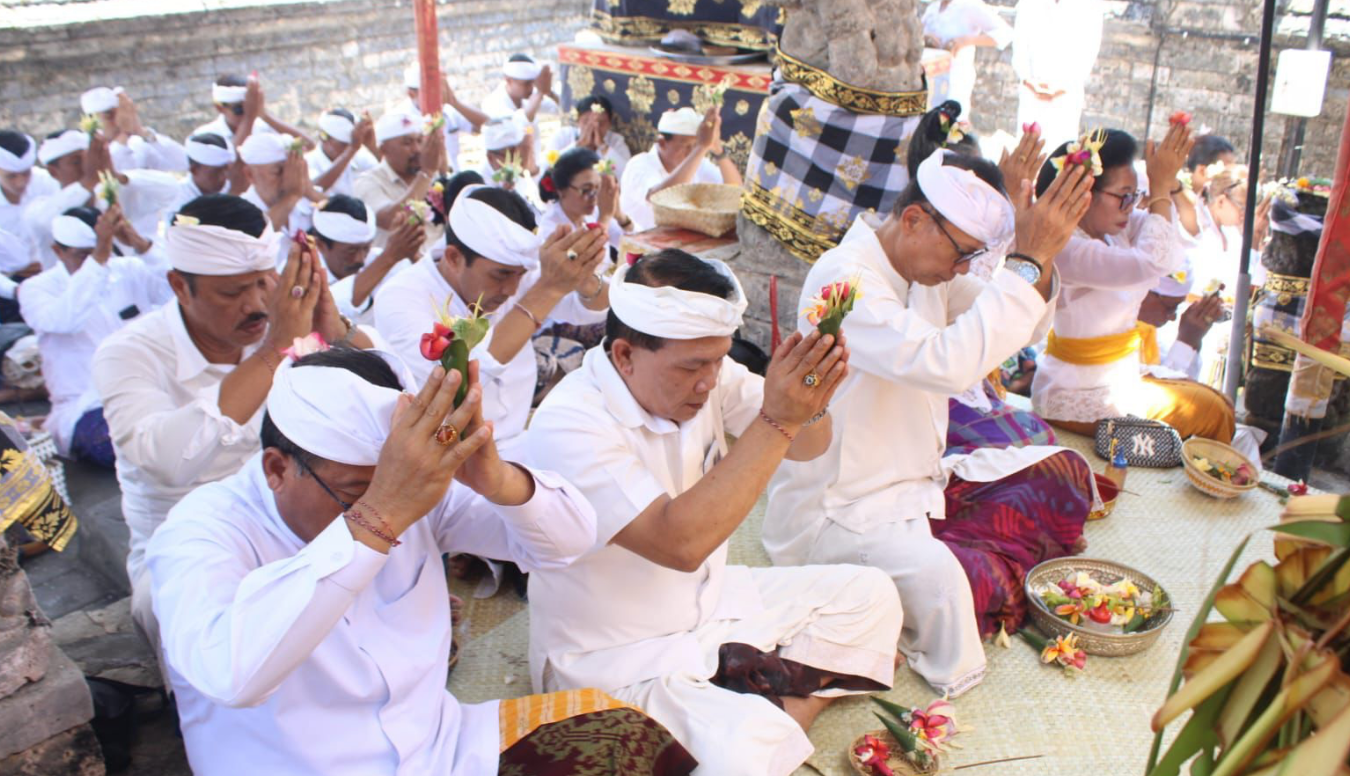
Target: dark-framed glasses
{"x":305,"y":468}
{"x":962,"y":257}
{"x":1126,"y":200}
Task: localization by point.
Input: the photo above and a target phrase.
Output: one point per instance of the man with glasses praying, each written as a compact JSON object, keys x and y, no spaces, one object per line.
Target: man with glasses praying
{"x":923,"y":329}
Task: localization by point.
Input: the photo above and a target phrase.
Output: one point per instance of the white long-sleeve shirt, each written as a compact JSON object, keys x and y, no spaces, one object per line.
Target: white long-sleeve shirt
{"x":404,"y":311}
{"x":161,"y":401}
{"x":1056,"y":41}
{"x":912,"y":347}
{"x":72,"y":313}
{"x":146,"y":197}
{"x":39,"y":212}
{"x":328,"y":658}
{"x":137,"y":153}
{"x":1104,"y":283}
{"x":319,"y":163}
{"x":12,"y":219}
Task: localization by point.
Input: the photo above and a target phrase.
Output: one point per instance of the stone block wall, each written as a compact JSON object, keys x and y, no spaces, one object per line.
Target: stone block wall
{"x":311,"y":56}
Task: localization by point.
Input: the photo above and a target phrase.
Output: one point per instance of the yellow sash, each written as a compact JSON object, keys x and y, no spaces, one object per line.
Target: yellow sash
{"x":519,"y":717}
{"x":1095,"y":351}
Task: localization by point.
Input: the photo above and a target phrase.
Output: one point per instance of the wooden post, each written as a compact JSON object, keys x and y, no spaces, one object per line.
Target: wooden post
{"x":428,"y":57}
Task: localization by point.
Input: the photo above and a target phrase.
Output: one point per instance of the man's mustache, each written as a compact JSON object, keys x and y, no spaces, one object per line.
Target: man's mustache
{"x":252,"y":319}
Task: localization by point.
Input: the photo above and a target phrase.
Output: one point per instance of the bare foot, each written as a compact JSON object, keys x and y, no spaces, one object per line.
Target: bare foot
{"x":1080,"y":546}
{"x":805,"y":710}
{"x":456,"y":609}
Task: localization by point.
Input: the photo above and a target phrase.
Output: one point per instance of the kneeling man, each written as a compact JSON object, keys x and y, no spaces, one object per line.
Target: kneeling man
{"x":303,"y":608}
{"x":736,"y":662}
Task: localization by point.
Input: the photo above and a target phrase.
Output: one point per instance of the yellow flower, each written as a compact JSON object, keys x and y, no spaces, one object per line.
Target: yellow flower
{"x":551,"y":157}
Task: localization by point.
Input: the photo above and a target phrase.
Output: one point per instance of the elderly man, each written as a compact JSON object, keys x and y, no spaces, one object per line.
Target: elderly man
{"x":131,"y":145}
{"x":511,"y":162}
{"x":341,"y":155}
{"x":681,"y":155}
{"x":526,"y":90}
{"x":494,"y":260}
{"x":459,"y":115}
{"x":922,"y":331}
{"x":77,"y":304}
{"x":736,"y":662}
{"x":411,"y":160}
{"x":344,"y":229}
{"x":22,"y":184}
{"x":305,"y":592}
{"x":281,"y":187}
{"x":183,"y":387}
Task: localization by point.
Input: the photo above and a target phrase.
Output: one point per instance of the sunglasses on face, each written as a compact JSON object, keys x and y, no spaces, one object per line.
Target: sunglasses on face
{"x":237,"y":108}
{"x":1126,"y":200}
{"x":962,"y":257}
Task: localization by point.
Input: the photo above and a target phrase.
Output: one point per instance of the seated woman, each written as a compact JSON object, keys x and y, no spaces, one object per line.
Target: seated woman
{"x":595,"y":130}
{"x":1091,"y":368}
{"x":1015,"y":511}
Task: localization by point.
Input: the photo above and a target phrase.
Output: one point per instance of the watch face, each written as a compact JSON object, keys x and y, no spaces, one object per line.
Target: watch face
{"x":1025,"y":270}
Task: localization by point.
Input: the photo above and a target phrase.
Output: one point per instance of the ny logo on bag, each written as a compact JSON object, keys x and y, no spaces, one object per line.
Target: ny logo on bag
{"x":1143,"y":445}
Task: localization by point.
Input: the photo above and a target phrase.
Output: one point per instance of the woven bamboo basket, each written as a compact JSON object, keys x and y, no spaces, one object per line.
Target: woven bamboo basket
{"x":1109,"y":492}
{"x":1221,"y":453}
{"x":1093,"y":642}
{"x":899,"y":764}
{"x":708,"y":208}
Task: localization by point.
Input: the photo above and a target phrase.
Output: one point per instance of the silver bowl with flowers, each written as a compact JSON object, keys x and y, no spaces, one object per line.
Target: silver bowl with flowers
{"x":1111,"y":609}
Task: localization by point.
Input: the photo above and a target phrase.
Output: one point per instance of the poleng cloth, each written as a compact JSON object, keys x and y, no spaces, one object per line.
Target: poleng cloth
{"x":673,"y":313}
{"x":815,"y":167}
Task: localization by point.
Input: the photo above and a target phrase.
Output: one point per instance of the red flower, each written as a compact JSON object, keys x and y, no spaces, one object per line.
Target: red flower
{"x":1180,"y":117}
{"x":1080,"y":157}
{"x":1034,"y":126}
{"x":435,"y":342}
{"x":1298,"y":488}
{"x":1101,"y":614}
{"x":547,"y":185}
{"x":592,"y":226}
{"x":874,"y":753}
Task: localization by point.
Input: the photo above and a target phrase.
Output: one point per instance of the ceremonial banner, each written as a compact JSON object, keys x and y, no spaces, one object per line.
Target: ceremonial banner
{"x":643,"y":86}
{"x":748,"y":24}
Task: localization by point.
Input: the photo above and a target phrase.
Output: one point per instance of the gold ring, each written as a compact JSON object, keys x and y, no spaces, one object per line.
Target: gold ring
{"x":446,"y":435}
{"x":811,"y":380}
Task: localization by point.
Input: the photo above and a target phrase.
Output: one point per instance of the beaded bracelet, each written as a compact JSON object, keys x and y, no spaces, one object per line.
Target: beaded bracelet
{"x":765,"y":417}
{"x":378,"y":517}
{"x":533,"y":318}
{"x":353,"y":514}
{"x":816,"y":418}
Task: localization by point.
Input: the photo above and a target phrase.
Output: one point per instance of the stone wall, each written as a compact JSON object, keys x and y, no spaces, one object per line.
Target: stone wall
{"x":1206,"y":55}
{"x":311,"y":56}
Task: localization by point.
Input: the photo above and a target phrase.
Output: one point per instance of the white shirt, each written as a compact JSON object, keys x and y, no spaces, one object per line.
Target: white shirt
{"x":960,"y":19}
{"x":329,"y":658}
{"x":912,"y":348}
{"x":13,"y":253}
{"x":301,"y":217}
{"x":319,"y":163}
{"x":614,"y":618}
{"x":404,"y":311}
{"x":12,"y":220}
{"x":146,"y":198}
{"x":137,"y":153}
{"x":72,"y":314}
{"x":455,"y":123}
{"x":343,"y":289}
{"x":554,"y":217}
{"x":160,"y":398}
{"x":39,"y":211}
{"x":1056,"y":41}
{"x":615,"y":148}
{"x":187,"y":191}
{"x":499,"y":104}
{"x":1104,"y":284}
{"x":645,"y":171}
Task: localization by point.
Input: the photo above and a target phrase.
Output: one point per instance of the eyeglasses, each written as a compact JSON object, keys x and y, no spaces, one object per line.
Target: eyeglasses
{"x":307,"y":470}
{"x":962,"y":257}
{"x":586,"y":191}
{"x":1126,"y":200}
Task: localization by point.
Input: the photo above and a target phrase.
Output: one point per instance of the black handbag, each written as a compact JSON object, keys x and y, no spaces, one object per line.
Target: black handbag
{"x":1144,"y":442}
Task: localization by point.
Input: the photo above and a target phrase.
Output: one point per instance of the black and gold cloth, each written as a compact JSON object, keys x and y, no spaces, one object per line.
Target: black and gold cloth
{"x":27,"y":495}
{"x":747,"y":24}
{"x":641,"y":86}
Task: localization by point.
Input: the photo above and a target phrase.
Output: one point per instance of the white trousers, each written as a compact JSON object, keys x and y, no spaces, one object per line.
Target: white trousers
{"x":1059,"y":118}
{"x":843,"y":619}
{"x":941,"y":638}
{"x":143,"y":616}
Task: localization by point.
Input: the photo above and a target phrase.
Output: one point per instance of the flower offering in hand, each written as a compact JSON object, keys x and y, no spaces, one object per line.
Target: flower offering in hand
{"x":107,"y":187}
{"x":605,"y":167}
{"x":418,"y":212}
{"x":303,"y":346}
{"x":1085,"y":151}
{"x":91,"y":124}
{"x":835,"y":301}
{"x":452,"y":338}
{"x":432,"y":122}
{"x":1180,"y":117}
{"x":295,"y":145}
{"x":512,"y":169}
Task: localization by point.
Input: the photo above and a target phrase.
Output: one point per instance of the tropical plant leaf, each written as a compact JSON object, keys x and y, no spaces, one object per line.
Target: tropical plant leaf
{"x":1237,"y":757}
{"x":1324,"y":753}
{"x":1335,"y":534}
{"x":1227,"y":667}
{"x":1198,"y":733}
{"x":1248,"y":690}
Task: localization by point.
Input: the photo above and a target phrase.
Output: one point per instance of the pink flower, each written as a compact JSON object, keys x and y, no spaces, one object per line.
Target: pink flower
{"x":436,"y":341}
{"x":935,"y":725}
{"x":1032,"y":128}
{"x":303,"y":346}
{"x":874,"y":753}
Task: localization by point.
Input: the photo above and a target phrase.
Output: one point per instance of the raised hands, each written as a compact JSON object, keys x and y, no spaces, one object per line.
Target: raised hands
{"x":1163,"y":160}
{"x":1043,"y":228}
{"x":1022,"y":164}
{"x":295,"y":297}
{"x":803,"y":376}
{"x":569,"y":258}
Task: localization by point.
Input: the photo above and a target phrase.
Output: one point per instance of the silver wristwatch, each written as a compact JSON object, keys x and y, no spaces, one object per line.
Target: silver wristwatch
{"x":1024,"y":267}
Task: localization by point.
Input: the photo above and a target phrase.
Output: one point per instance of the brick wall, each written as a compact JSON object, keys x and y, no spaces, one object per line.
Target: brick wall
{"x":311,"y":56}
{"x":1206,"y":64}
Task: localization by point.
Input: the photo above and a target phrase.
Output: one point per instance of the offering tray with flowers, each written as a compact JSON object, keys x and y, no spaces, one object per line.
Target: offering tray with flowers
{"x":1112,"y":609}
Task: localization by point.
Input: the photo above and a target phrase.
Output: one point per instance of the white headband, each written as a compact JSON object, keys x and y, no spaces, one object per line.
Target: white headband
{"x":265,"y":148}
{"x":396,"y":124}
{"x":501,"y":134}
{"x":969,"y":203}
{"x":11,"y":163}
{"x":67,"y":142}
{"x":490,"y":234}
{"x":207,"y":154}
{"x":684,"y":121}
{"x":340,"y":227}
{"x":99,"y":99}
{"x":215,"y":250}
{"x":334,"y":413}
{"x":73,"y":233}
{"x":522,"y":70}
{"x":227,"y":94}
{"x":671,"y":313}
{"x":337,"y":127}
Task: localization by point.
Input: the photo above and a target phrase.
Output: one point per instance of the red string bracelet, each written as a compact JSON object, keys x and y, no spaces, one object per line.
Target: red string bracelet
{"x":765,"y":417}
{"x":355,"y":516}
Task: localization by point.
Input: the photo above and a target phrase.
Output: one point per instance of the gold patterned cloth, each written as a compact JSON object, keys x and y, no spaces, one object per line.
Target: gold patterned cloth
{"x":26,"y":492}
{"x":816,"y":166}
{"x":747,"y":24}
